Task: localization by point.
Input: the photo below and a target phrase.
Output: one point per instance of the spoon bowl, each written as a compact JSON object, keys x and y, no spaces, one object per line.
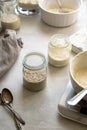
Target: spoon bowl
{"x":7,"y":96}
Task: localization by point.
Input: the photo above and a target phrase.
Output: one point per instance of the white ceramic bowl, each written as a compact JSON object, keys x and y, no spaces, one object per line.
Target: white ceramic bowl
{"x":78,"y":72}
{"x":60,"y":19}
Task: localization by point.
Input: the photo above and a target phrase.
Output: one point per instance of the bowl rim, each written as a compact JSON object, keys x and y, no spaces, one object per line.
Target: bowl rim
{"x":71,"y":12}
{"x":71,"y":65}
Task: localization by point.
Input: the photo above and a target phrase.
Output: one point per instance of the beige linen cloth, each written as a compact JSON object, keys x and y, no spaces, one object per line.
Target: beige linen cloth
{"x":10,"y":47}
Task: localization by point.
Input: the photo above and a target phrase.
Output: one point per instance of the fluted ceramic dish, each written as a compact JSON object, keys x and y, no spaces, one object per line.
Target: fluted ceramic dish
{"x":60,"y":19}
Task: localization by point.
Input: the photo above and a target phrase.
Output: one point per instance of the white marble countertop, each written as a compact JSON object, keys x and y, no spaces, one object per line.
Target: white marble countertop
{"x":39,"y":109}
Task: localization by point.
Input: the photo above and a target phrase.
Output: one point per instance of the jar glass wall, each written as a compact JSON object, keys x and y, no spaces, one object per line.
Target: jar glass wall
{"x":34,"y":71}
{"x":59,"y":50}
{"x":28,"y":7}
{"x":9,"y":19}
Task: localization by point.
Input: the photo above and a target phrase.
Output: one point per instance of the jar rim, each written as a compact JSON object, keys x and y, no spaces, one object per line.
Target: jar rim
{"x":34,"y":66}
{"x":60,"y":36}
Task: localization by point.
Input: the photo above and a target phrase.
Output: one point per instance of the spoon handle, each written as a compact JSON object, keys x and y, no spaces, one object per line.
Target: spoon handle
{"x":73,"y":101}
{"x":59,"y":3}
{"x":18,"y":125}
{"x":15,"y":114}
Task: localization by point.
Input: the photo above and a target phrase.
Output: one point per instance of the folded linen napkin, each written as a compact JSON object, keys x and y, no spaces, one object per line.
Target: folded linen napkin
{"x":10,"y":47}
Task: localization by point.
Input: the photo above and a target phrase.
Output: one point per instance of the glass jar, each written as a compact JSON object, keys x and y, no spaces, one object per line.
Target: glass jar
{"x":28,"y":7}
{"x":59,"y":50}
{"x":34,"y":71}
{"x":9,"y":19}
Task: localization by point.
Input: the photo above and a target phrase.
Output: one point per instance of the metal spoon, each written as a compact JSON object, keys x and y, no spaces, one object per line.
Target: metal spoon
{"x":7,"y":98}
{"x":73,"y":101}
{"x":18,"y":125}
{"x":61,"y":9}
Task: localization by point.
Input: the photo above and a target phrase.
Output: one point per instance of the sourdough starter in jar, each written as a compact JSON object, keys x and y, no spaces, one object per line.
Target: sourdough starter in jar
{"x":34,"y":71}
{"x":10,"y":21}
{"x":9,"y":18}
{"x":59,"y":50}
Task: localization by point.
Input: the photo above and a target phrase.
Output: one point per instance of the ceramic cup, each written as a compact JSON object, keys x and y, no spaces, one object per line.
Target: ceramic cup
{"x":78,"y":72}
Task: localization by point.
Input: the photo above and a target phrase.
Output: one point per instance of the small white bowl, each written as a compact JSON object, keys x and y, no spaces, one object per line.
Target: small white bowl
{"x":60,"y":19}
{"x":78,"y":72}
